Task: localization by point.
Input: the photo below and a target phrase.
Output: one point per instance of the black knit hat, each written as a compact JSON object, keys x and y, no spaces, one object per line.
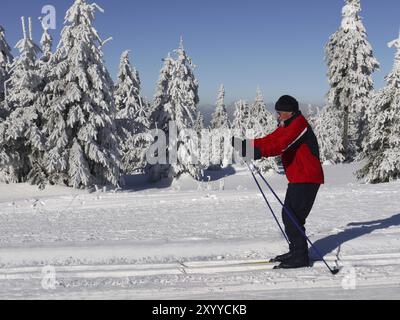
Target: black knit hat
{"x":288,"y":104}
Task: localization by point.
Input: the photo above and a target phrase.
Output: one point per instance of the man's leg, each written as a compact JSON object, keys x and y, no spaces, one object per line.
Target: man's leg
{"x":287,"y":223}
{"x":290,"y":195}
{"x":299,"y":201}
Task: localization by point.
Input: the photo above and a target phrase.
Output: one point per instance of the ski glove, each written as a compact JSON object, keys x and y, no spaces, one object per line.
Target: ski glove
{"x":240,"y":146}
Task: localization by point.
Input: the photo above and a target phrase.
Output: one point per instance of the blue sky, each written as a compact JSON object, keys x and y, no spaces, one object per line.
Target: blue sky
{"x":277,"y":45}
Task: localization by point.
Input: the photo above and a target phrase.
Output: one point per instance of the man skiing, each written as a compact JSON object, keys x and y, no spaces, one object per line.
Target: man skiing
{"x":296,"y":142}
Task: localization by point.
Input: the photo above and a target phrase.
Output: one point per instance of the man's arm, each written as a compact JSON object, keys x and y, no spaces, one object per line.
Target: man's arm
{"x":281,"y":139}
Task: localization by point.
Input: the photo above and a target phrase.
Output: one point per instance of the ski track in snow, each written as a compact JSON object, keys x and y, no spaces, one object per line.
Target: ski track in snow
{"x":130,"y":245}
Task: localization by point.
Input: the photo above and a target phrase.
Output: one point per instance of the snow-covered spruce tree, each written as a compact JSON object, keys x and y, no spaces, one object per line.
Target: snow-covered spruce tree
{"x":132,"y":117}
{"x":310,"y":111}
{"x":261,"y":122}
{"x":351,"y":63}
{"x":160,"y":118}
{"x":183,"y":109}
{"x":46,"y":43}
{"x":21,"y":135}
{"x":6,"y":58}
{"x":80,"y":119}
{"x":326,"y":125}
{"x":176,"y":100}
{"x":204,"y":141}
{"x":199,"y":123}
{"x":241,"y":119}
{"x":240,"y":124}
{"x":183,"y":91}
{"x":38,"y":174}
{"x":46,"y":62}
{"x":383,"y":147}
{"x":221,"y":134}
{"x":220,"y":117}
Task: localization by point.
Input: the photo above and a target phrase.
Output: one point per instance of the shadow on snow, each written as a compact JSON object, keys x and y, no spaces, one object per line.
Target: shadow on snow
{"x":353,"y":231}
{"x":140,"y":182}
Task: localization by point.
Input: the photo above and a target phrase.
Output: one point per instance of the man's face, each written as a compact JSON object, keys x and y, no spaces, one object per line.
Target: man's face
{"x":284,"y":115}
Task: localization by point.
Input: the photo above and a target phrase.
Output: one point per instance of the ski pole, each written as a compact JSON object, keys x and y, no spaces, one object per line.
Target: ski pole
{"x":269,"y":206}
{"x":296,"y":223}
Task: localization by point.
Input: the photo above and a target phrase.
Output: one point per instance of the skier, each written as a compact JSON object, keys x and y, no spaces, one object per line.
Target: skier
{"x":296,"y":142}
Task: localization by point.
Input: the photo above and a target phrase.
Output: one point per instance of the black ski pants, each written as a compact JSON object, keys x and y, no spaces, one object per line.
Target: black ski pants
{"x":300,"y":198}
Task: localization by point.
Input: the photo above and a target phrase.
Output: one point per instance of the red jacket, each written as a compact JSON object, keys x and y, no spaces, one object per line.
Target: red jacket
{"x":298,"y":146}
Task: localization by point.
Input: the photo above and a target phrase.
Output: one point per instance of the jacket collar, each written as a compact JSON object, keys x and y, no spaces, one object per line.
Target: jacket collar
{"x":289,"y":121}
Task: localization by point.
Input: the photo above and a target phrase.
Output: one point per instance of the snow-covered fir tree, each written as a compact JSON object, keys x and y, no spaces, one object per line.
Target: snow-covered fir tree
{"x":199,"y":123}
{"x":132,"y":117}
{"x":183,"y":109}
{"x":204,"y":141}
{"x":21,"y":136}
{"x":176,"y":100}
{"x":46,"y":64}
{"x":183,"y":90}
{"x":326,"y":124}
{"x":221,"y":134}
{"x":159,"y":118}
{"x":6,"y":58}
{"x":220,"y":117}
{"x":46,"y":43}
{"x":261,"y":123}
{"x":80,"y":118}
{"x":383,"y":147}
{"x":310,"y":111}
{"x":241,"y":122}
{"x":351,"y":64}
{"x":241,"y":118}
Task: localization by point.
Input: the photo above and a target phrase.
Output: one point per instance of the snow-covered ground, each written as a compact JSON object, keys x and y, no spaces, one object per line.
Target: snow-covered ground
{"x":189,"y":240}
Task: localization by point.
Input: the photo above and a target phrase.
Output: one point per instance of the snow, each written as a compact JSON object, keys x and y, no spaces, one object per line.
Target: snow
{"x":185,"y":239}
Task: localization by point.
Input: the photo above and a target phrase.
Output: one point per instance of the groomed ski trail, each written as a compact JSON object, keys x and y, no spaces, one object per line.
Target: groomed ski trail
{"x":188,"y":267}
